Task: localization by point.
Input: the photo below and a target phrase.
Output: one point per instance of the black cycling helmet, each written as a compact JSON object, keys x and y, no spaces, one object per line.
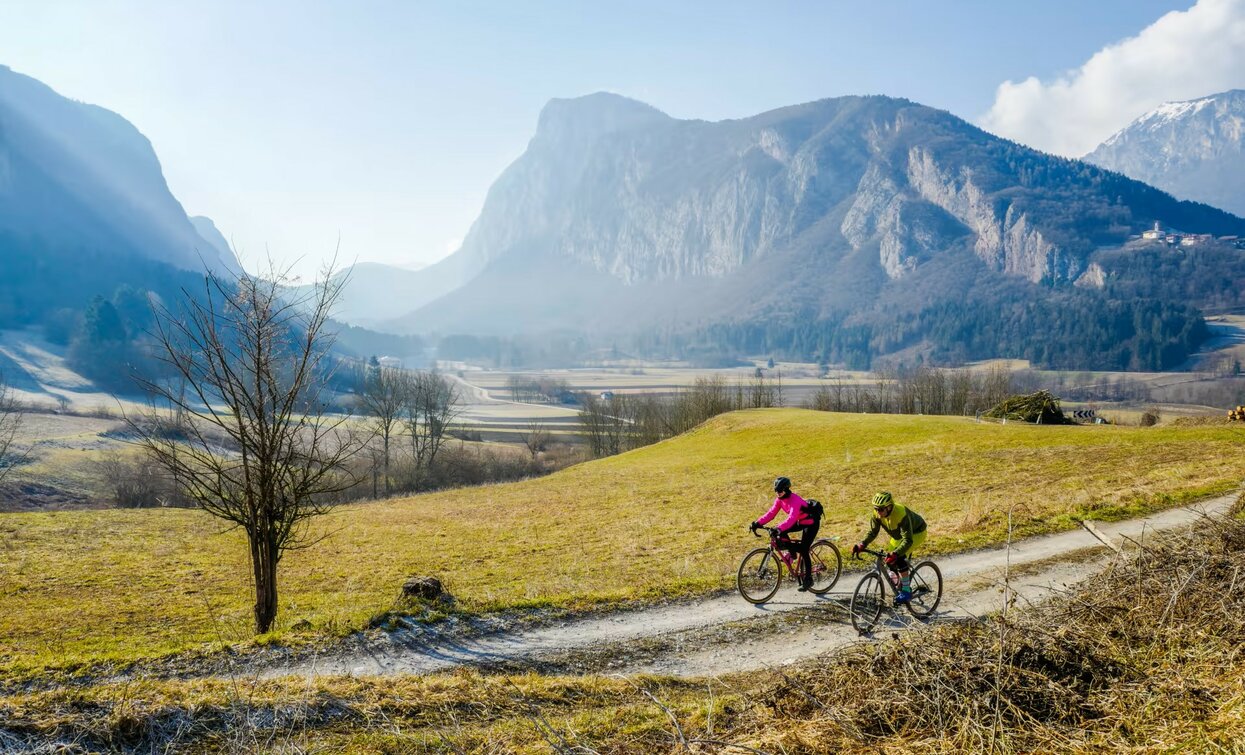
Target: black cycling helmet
{"x":782,"y":485}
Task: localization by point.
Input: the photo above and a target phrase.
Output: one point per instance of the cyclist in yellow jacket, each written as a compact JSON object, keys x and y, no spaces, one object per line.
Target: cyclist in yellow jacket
{"x":907,"y":532}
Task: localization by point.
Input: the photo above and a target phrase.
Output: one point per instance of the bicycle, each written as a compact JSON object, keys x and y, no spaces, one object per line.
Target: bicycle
{"x":760,"y":572}
{"x":870,"y":594}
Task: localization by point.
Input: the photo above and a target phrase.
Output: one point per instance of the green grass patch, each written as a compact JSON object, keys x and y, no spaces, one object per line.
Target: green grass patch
{"x":668,"y":520}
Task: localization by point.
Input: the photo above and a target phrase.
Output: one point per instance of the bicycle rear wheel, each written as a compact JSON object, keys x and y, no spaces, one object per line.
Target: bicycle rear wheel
{"x":827,"y":566}
{"x":926,"y":589}
{"x":867,"y":602}
{"x":759,"y":576}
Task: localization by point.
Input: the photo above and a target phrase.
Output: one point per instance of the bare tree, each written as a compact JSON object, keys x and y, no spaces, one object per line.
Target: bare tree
{"x":10,"y":423}
{"x":136,"y":481}
{"x":605,"y":423}
{"x":386,"y":395}
{"x":431,"y":406}
{"x":257,"y":446}
{"x":536,"y":438}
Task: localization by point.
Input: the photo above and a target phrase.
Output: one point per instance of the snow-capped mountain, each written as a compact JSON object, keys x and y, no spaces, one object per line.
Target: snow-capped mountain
{"x":1194,"y":150}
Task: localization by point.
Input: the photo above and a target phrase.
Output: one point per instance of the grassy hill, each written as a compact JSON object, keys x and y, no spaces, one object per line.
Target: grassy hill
{"x":666,"y":520}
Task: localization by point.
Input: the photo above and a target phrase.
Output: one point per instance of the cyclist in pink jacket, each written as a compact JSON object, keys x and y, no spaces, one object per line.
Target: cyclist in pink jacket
{"x":799,"y":519}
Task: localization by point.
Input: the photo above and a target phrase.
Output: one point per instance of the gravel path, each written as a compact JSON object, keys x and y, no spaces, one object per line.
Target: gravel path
{"x":723,"y":634}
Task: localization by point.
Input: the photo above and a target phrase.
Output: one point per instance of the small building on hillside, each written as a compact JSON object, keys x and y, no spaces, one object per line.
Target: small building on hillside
{"x":1154,"y":233}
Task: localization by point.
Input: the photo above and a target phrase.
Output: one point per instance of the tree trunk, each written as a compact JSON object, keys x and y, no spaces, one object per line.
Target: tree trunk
{"x":264,"y":563}
{"x":386,"y":462}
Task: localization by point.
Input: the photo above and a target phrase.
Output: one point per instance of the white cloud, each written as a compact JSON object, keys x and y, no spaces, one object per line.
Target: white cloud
{"x":1181,"y":56}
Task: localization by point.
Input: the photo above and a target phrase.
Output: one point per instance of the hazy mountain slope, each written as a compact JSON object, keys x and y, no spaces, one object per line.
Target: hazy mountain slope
{"x":1193,"y":149}
{"x":218,"y":244}
{"x":375,"y":292}
{"x":78,"y":176}
{"x":866,"y":212}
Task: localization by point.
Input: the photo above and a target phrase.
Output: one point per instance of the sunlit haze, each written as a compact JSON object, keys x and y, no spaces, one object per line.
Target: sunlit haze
{"x":297,"y":126}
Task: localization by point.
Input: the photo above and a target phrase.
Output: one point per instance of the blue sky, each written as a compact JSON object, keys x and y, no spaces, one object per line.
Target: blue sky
{"x":294,"y":124}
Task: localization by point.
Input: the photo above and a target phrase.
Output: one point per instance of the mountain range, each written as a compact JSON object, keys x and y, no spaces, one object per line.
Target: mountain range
{"x":845,"y":230}
{"x":1193,"y":149}
{"x":868,"y":215}
{"x":74,"y":175}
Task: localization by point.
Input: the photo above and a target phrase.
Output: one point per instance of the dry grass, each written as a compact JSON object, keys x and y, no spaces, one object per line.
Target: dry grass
{"x":1149,"y":656}
{"x":670,"y":519}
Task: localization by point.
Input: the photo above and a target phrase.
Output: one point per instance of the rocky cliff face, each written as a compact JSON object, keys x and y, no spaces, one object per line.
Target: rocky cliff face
{"x":1010,"y":244}
{"x":873,"y":212}
{"x":618,"y":186}
{"x":1194,"y":150}
{"x":76,"y":175}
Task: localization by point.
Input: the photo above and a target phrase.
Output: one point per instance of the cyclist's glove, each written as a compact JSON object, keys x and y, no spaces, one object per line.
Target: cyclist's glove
{"x":891,"y":559}
{"x":857,"y":548}
{"x":754,"y":527}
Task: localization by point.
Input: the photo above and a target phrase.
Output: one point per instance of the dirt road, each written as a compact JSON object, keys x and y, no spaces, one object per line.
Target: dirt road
{"x":723,"y":634}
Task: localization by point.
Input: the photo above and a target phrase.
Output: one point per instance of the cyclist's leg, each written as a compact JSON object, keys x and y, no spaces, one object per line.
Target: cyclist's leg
{"x":800,"y":547}
{"x":904,"y":566}
{"x":806,"y":542}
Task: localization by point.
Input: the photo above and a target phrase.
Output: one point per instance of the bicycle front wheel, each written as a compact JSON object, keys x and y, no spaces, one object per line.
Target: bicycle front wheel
{"x":827,"y":566}
{"x":759,"y":576}
{"x":867,"y":602}
{"x":926,"y":589}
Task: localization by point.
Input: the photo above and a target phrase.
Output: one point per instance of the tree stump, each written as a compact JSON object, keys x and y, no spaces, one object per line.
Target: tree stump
{"x":422,"y":588}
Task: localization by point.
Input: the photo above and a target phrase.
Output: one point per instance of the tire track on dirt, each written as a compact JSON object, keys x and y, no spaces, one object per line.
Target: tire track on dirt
{"x":723,"y":634}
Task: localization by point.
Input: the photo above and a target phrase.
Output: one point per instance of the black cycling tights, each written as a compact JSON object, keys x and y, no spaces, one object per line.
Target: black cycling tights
{"x":809,"y":533}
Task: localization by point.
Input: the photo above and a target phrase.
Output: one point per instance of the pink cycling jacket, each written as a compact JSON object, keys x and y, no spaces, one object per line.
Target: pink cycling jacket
{"x":794,"y":506}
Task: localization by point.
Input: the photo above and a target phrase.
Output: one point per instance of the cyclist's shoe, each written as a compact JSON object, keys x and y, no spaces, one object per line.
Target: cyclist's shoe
{"x":805,"y":585}
{"x":903,"y":596}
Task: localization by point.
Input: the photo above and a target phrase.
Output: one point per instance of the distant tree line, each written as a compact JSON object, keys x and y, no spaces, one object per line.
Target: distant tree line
{"x":416,"y":408}
{"x":538,"y":389}
{"x":1059,"y":332}
{"x":923,"y":390}
{"x":624,"y":421}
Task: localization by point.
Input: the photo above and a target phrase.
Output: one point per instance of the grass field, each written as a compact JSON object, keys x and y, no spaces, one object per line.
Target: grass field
{"x":1134,"y":660}
{"x":670,"y":519}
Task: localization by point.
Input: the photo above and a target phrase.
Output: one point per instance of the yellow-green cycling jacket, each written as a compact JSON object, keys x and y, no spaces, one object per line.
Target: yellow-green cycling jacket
{"x":902,"y":525}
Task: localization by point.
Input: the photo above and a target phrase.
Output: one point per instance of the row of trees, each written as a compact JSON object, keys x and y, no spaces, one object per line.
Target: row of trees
{"x":537,"y":389}
{"x":419,"y":406}
{"x":922,"y":390}
{"x":626,"y":421}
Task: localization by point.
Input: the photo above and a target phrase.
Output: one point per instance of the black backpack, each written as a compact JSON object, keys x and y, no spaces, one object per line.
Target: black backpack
{"x":815,"y":509}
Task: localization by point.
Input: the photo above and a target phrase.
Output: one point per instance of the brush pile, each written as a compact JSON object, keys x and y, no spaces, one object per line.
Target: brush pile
{"x":1148,"y":655}
{"x":1040,"y":408}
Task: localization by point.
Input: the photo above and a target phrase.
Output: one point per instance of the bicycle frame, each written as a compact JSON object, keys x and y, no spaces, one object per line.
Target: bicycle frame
{"x":890,"y":577}
{"x":790,"y":558}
